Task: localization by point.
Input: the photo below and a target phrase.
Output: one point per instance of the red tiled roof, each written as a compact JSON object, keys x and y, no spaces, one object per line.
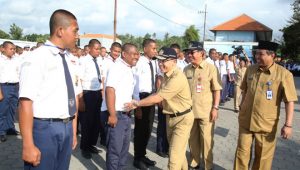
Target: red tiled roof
{"x":97,"y":36}
{"x":241,"y":23}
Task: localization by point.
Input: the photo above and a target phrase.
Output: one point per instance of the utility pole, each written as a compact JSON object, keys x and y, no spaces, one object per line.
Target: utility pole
{"x":204,"y":24}
{"x":115,"y":21}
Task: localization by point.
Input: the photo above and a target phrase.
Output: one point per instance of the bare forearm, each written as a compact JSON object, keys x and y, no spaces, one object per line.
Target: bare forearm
{"x":289,"y":110}
{"x":216,"y":97}
{"x":110,"y":100}
{"x":26,"y":121}
{"x":151,"y":100}
{"x":74,"y":123}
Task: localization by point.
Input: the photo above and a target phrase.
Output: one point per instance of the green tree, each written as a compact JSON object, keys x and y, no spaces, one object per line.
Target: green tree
{"x":296,"y":8}
{"x":166,"y":37}
{"x":291,"y":34}
{"x":15,"y":32}
{"x":190,"y":34}
{"x":147,"y":36}
{"x":4,"y":35}
{"x":154,"y":35}
{"x":36,"y":37}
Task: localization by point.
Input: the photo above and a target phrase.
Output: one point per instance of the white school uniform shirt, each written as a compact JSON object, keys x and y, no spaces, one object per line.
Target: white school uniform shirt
{"x":181,"y":63}
{"x":231,"y":67}
{"x":9,"y":69}
{"x":42,"y":80}
{"x":88,"y":73}
{"x":120,"y":77}
{"x":215,"y":63}
{"x":223,"y":68}
{"x":107,"y":65}
{"x":74,"y":65}
{"x":142,"y":75}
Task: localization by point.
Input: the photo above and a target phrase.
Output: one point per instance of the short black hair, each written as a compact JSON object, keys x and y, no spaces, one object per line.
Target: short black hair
{"x":211,"y":50}
{"x":116,"y":44}
{"x":5,"y":43}
{"x":60,"y":17}
{"x":127,"y":46}
{"x":175,"y":45}
{"x":148,"y":41}
{"x":92,"y":42}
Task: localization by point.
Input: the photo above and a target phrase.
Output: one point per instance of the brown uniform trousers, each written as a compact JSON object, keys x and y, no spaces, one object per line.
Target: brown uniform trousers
{"x":258,"y":117}
{"x":240,"y":72}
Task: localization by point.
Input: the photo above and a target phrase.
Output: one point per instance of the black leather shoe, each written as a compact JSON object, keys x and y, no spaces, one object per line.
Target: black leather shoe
{"x":140,"y":165}
{"x":13,"y":132}
{"x":94,"y":149}
{"x":193,"y":168}
{"x":3,"y":138}
{"x":162,"y":154}
{"x":86,"y":154}
{"x":147,"y":161}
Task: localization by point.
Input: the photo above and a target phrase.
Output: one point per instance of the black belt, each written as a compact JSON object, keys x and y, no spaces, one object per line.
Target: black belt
{"x":180,"y":113}
{"x":66,"y":120}
{"x":9,"y":84}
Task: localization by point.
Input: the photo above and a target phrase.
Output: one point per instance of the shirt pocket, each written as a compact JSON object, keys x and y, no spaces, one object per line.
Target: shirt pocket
{"x":271,"y":107}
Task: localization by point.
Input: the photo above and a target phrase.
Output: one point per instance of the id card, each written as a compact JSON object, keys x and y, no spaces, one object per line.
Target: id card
{"x":199,"y":88}
{"x":269,"y":94}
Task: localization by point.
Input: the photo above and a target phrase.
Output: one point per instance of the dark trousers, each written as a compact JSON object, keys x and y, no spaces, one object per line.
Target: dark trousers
{"x":103,"y":134}
{"x":231,"y":87}
{"x":162,"y":144}
{"x":90,"y":119}
{"x":225,"y":85}
{"x":8,"y":107}
{"x":54,"y":140}
{"x":143,"y":128}
{"x":118,"y":140}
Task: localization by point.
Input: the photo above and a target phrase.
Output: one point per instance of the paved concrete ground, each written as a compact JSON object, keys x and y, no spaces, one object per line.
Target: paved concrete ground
{"x":287,"y":156}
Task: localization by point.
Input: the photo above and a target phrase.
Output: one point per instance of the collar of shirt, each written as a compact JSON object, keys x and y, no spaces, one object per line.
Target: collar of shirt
{"x":169,"y":74}
{"x":4,"y":57}
{"x":90,"y":57}
{"x":53,"y":48}
{"x":126,"y":64}
{"x":201,"y":65}
{"x":110,"y":57}
{"x":270,"y":70}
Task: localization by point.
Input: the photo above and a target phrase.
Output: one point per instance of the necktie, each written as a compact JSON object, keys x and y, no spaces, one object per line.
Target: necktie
{"x":97,"y":68}
{"x":152,"y":76}
{"x":70,"y":88}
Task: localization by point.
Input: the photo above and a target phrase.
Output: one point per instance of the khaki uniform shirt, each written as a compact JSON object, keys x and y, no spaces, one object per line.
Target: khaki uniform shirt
{"x":207,"y":76}
{"x":240,"y":73}
{"x":258,"y":114}
{"x":175,"y":91}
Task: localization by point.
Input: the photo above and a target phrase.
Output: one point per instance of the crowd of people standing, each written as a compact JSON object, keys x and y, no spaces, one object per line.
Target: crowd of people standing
{"x":59,"y":86}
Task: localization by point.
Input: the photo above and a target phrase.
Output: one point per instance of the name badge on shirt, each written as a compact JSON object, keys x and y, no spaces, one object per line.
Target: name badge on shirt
{"x":198,"y":88}
{"x":269,"y":91}
{"x":269,"y":94}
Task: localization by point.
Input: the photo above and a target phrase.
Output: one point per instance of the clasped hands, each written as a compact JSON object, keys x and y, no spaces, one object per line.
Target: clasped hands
{"x":132,"y":105}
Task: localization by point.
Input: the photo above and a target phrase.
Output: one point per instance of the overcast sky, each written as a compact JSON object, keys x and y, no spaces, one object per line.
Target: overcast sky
{"x":96,"y":16}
